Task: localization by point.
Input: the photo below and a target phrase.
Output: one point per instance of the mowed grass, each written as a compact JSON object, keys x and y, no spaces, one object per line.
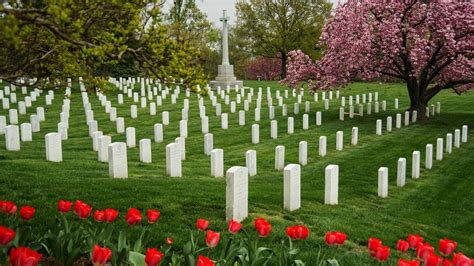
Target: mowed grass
{"x":439,"y":204}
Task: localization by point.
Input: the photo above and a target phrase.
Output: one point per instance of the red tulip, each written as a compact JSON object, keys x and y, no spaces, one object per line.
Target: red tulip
{"x":99,"y":216}
{"x":447,"y":247}
{"x":202,"y":224}
{"x":263,"y":227}
{"x":402,"y":262}
{"x":335,"y":238}
{"x":110,"y":215}
{"x":297,"y":232}
{"x":212,"y":238}
{"x":169,"y":240}
{"x":153,"y":216}
{"x":402,"y":245}
{"x":433,"y":260}
{"x":204,"y":261}
{"x":64,"y":206}
{"x":27,"y":213}
{"x":234,"y":226}
{"x":374,"y":244}
{"x":340,"y":238}
{"x":258,"y":221}
{"x":8,"y":207}
{"x":133,"y":216}
{"x":23,"y":256}
{"x":415,"y":241}
{"x":330,"y":238}
{"x":82,"y":210}
{"x":447,"y":262}
{"x":101,"y":255}
{"x":424,"y":251}
{"x":460,"y":259}
{"x":153,"y":257}
{"x":6,"y":236}
{"x":382,"y":253}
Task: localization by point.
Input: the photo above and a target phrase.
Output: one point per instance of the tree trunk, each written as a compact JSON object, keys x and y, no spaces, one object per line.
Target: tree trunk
{"x":284,"y":59}
{"x":417,"y":101}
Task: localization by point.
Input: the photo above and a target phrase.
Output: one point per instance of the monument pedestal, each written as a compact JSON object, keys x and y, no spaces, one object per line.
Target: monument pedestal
{"x":225,"y":77}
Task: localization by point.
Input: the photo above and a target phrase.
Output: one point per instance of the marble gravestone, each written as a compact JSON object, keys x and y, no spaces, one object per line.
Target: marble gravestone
{"x":237,"y":179}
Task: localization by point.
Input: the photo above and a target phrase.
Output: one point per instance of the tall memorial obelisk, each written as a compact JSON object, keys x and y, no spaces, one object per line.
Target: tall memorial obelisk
{"x":225,"y":71}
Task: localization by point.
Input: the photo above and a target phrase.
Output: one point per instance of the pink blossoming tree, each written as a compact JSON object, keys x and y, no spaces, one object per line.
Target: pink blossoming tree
{"x":427,"y":44}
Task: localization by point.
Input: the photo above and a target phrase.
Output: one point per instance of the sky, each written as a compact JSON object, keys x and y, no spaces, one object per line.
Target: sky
{"x":213,"y":9}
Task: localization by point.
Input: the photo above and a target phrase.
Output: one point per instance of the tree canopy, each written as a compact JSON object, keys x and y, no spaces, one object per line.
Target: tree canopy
{"x":272,"y":28}
{"x":427,"y":44}
{"x":71,"y":38}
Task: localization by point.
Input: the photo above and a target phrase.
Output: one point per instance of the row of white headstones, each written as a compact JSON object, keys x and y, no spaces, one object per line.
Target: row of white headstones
{"x":459,"y":137}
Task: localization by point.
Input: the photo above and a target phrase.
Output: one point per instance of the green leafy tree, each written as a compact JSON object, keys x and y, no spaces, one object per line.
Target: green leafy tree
{"x":272,"y":28}
{"x":72,"y":38}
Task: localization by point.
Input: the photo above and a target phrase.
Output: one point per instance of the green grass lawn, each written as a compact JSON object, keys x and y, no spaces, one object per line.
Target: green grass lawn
{"x":439,"y":204}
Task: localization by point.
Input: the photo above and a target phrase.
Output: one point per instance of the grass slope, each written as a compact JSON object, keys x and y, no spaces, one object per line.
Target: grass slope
{"x":439,"y":204}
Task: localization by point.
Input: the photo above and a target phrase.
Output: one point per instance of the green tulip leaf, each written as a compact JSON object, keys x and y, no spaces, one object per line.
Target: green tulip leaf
{"x":136,"y":259}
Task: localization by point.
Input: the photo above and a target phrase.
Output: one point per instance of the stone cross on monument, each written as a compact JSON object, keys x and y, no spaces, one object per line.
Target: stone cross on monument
{"x":225,"y":71}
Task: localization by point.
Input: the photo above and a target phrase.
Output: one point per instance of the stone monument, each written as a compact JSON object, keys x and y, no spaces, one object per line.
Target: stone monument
{"x":225,"y":71}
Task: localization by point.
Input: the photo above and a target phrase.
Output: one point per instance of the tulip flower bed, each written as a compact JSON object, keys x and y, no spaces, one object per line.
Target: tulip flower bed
{"x":76,"y":240}
{"x":436,"y":206}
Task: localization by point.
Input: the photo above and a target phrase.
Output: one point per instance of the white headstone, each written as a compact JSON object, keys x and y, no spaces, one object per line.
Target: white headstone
{"x":389,"y":124}
{"x":401,"y":172}
{"x":355,"y":136}
{"x":291,"y":125}
{"x":26,"y":134}
{"x":331,"y":185}
{"x":217,"y":163}
{"x":118,"y":165}
{"x":318,"y":118}
{"x":449,"y":143}
{"x":464,"y":134}
{"x":103,"y":153}
{"x":339,"y":140}
{"x":224,"y":121}
{"x":279,"y":157}
{"x":341,"y":113}
{"x":131,"y":139}
{"x":303,"y":153}
{"x":322,"y":146}
{"x":257,"y":114}
{"x":274,"y":129}
{"x":407,"y":118}
{"x":429,"y":156}
{"x":54,"y":151}
{"x":208,"y":143}
{"x":383,"y":182}
{"x":398,"y":123}
{"x":145,"y":150}
{"x":241,"y":118}
{"x":173,"y":160}
{"x":13,"y":116}
{"x":120,"y":124}
{"x":457,"y":137}
{"x":165,"y":117}
{"x":292,"y":187}
{"x":415,"y":166}
{"x":205,"y":124}
{"x":378,"y":129}
{"x":439,"y":149}
{"x":95,"y":140}
{"x":305,"y":121}
{"x":183,"y":128}
{"x":255,"y":134}
{"x":251,"y":162}
{"x":237,"y":193}
{"x":35,"y":123}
